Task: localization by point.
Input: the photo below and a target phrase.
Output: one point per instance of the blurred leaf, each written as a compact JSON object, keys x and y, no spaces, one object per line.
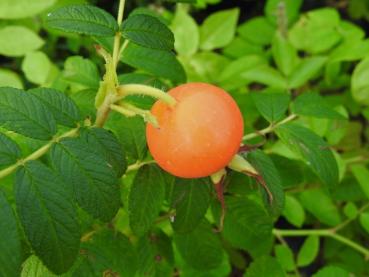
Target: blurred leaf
{"x":321,"y":206}
{"x":332,"y":271}
{"x":313,"y":149}
{"x":186,"y":33}
{"x":312,"y":104}
{"x":145,"y":198}
{"x":361,"y":174}
{"x":191,"y":199}
{"x":93,"y":181}
{"x":48,"y":215}
{"x":272,"y":106}
{"x":360,"y":83}
{"x":291,"y":171}
{"x":157,"y":62}
{"x":293,"y":211}
{"x":10,"y":245}
{"x":306,"y":70}
{"x":147,"y":31}
{"x":64,"y":110}
{"x":82,"y":19}
{"x":22,"y":8}
{"x":251,"y":30}
{"x":10,"y":79}
{"x":350,"y":50}
{"x":9,"y":151}
{"x":264,"y":266}
{"x":350,"y":210}
{"x":218,"y":29}
{"x":25,"y":114}
{"x":266,"y":75}
{"x":16,"y":41}
{"x":308,"y":251}
{"x":284,"y":54}
{"x":273,"y":10}
{"x":201,"y":248}
{"x":285,"y":257}
{"x":81,"y":71}
{"x":240,"y":47}
{"x":36,"y":66}
{"x":364,"y":221}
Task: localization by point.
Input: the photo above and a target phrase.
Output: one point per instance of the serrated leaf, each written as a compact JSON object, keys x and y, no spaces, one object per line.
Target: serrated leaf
{"x":361,"y":174}
{"x":264,"y":266}
{"x":201,"y":248}
{"x":285,"y":257}
{"x":22,"y":8}
{"x":9,"y":151}
{"x":218,"y":29}
{"x":16,"y":41}
{"x":305,"y":71}
{"x":94,"y":182}
{"x":324,"y":209}
{"x":81,"y":71}
{"x":10,"y":245}
{"x":34,"y":267}
{"x":25,"y":114}
{"x":332,"y":271}
{"x":62,"y":107}
{"x":272,"y":106}
{"x":145,"y":198}
{"x":312,"y":149}
{"x":191,"y":199}
{"x":364,"y":221}
{"x":83,"y":19}
{"x":148,"y":31}
{"x":360,"y":83}
{"x":48,"y":215}
{"x":157,"y":62}
{"x":106,"y":144}
{"x":293,"y":211}
{"x":312,"y":104}
{"x":265,"y":166}
{"x":247,"y":226}
{"x":308,"y":251}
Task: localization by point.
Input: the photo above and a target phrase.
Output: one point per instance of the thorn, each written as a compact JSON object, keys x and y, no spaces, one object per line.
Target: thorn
{"x":261,"y":181}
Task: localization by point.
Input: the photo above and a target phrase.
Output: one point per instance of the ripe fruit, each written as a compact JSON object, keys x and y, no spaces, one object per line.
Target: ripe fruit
{"x":199,"y":135}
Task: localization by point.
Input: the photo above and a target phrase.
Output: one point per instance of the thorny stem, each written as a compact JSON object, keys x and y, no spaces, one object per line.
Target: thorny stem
{"x":38,"y":153}
{"x":270,"y":128}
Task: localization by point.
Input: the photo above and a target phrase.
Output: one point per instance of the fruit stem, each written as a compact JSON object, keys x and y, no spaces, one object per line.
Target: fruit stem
{"x":130,"y":110}
{"x":137,"y":89}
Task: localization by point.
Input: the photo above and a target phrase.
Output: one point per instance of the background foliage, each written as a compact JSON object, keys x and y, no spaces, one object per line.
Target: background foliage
{"x":77,"y":200}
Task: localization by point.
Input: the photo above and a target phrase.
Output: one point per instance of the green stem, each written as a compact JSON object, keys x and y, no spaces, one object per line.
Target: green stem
{"x":38,"y":153}
{"x":348,"y":221}
{"x":270,"y":128}
{"x":118,"y":34}
{"x":137,"y":89}
{"x":137,"y":165}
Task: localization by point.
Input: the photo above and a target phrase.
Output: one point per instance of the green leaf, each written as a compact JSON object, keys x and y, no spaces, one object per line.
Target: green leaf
{"x":81,"y":71}
{"x":108,"y":250}
{"x":94,"y":182}
{"x":247,"y":226}
{"x":106,"y":144}
{"x":321,"y":206}
{"x":284,"y":55}
{"x":16,"y":41}
{"x":350,"y":210}
{"x":293,"y":211}
{"x":25,"y":114}
{"x":332,"y":271}
{"x":305,"y":71}
{"x":361,"y":174}
{"x":291,"y":10}
{"x":9,"y":151}
{"x":36,"y":66}
{"x":148,"y":31}
{"x":350,"y":50}
{"x":312,"y":104}
{"x":22,"y":8}
{"x":218,"y":29}
{"x":157,"y":62}
{"x":186,"y":33}
{"x":34,"y":267}
{"x":251,"y":30}
{"x":10,"y":245}
{"x":145,"y":198}
{"x":10,"y":79}
{"x":266,"y":75}
{"x":201,"y":248}
{"x":308,"y":251}
{"x":312,"y":149}
{"x":83,"y":19}
{"x":62,"y":107}
{"x":239,"y":48}
{"x":272,"y":106}
{"x":285,"y":257}
{"x":48,"y":216}
{"x":364,"y":221}
{"x":190,"y":198}
{"x":360,"y":83}
{"x":264,"y":266}
{"x":265,"y":166}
